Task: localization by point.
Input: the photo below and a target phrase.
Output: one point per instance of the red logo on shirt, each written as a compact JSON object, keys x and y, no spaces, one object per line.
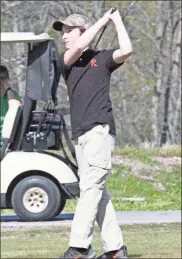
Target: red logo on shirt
{"x":93,"y":62}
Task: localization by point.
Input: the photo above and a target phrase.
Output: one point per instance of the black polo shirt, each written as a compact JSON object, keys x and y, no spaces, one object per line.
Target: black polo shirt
{"x":90,"y":103}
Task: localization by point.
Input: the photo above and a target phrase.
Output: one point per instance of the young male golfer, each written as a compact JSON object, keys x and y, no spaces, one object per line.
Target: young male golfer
{"x":93,"y":129}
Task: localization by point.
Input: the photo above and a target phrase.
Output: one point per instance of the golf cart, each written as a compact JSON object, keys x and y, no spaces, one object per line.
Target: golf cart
{"x":36,"y":181}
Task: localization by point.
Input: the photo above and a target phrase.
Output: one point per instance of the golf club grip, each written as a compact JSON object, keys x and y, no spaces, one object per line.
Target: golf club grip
{"x":114,"y":10}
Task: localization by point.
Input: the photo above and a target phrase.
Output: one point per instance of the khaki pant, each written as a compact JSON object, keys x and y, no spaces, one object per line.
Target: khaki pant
{"x":93,"y":151}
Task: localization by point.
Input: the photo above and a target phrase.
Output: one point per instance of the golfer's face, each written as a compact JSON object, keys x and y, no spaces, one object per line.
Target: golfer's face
{"x":70,"y":35}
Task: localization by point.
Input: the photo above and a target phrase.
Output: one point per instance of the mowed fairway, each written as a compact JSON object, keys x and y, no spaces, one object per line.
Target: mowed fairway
{"x":143,"y":241}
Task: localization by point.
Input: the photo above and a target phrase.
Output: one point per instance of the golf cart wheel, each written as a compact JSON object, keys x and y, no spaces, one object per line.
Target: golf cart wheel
{"x":62,"y":205}
{"x":36,"y":198}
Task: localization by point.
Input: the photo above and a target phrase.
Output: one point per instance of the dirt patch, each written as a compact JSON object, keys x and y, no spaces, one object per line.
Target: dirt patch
{"x":163,"y":163}
{"x":146,"y":171}
{"x":167,"y":162}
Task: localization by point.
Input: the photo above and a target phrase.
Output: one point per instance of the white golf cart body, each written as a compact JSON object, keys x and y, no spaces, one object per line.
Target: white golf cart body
{"x":16,"y":163}
{"x":34,"y":181}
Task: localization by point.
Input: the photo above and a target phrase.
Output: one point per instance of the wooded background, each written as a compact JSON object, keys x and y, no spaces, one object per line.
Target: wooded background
{"x":146,"y":90}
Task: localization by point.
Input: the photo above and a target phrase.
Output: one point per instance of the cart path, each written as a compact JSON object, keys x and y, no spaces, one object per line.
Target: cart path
{"x":12,"y":222}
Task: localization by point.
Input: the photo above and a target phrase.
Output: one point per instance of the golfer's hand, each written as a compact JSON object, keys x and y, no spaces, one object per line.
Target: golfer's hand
{"x":115,"y":17}
{"x":106,"y":18}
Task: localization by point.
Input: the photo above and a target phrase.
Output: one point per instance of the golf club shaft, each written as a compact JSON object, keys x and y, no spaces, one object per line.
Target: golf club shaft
{"x":113,"y":10}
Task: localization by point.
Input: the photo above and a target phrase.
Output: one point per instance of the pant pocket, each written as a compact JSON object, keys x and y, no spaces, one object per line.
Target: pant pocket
{"x":98,"y":148}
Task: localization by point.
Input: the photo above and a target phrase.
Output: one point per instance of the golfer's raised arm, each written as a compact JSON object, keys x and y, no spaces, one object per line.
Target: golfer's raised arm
{"x":125,"y":45}
{"x":72,"y":54}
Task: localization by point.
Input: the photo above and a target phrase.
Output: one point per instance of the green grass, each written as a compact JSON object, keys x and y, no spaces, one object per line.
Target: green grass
{"x":135,"y":153}
{"x":144,"y":153}
{"x":122,"y":184}
{"x":143,"y":241}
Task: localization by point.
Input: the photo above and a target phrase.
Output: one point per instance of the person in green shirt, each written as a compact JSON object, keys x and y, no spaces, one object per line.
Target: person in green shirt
{"x":9,"y":101}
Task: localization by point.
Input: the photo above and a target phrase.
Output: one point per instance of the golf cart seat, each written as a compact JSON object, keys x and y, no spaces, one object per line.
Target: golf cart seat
{"x":11,"y":124}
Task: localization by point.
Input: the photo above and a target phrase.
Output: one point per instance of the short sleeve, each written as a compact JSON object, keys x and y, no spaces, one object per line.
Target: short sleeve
{"x":110,"y":63}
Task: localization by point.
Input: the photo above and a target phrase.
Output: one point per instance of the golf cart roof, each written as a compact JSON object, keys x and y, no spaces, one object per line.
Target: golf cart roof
{"x":24,"y":37}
